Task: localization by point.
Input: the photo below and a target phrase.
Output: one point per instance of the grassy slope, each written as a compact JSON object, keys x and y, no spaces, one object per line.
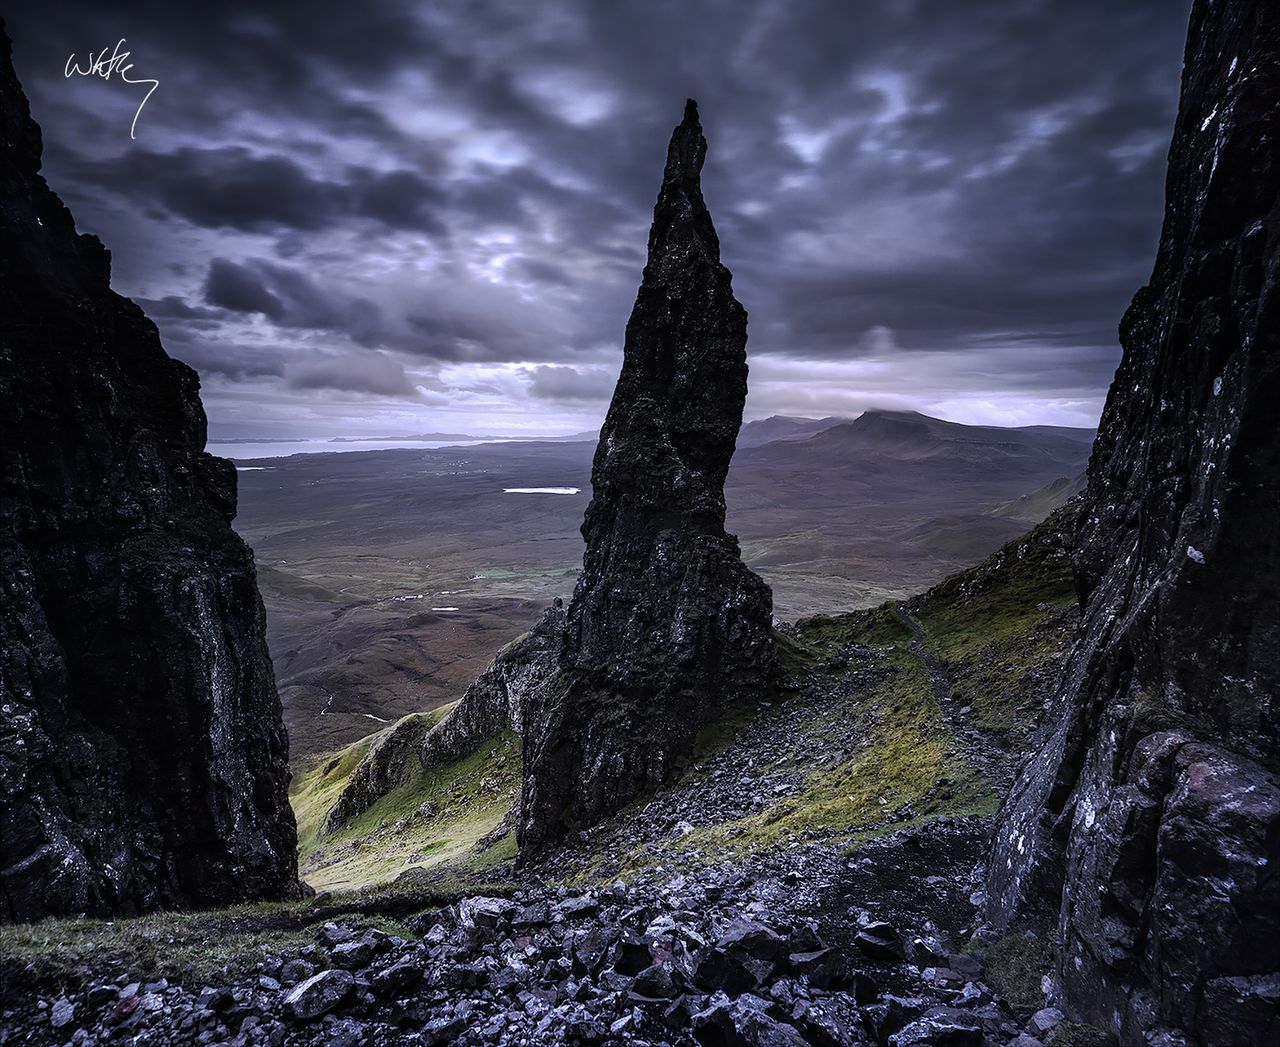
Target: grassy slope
{"x":906,"y":769}
{"x":997,"y":626}
{"x":464,"y":802}
{"x":999,"y":629}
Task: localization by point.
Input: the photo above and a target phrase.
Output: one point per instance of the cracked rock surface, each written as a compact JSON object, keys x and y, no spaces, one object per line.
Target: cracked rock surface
{"x":143,"y":761}
{"x":1149,"y":820}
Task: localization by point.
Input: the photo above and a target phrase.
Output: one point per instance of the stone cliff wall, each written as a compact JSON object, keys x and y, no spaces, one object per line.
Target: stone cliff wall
{"x":143,"y":761}
{"x":1150,"y":821}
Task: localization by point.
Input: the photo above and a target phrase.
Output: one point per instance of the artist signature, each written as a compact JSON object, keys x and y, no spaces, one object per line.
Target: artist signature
{"x":104,"y":65}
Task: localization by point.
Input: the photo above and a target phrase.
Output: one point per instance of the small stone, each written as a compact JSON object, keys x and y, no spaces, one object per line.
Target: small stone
{"x":100,"y":994}
{"x":63,"y":1013}
{"x":346,"y":1033}
{"x":353,"y":955}
{"x":879,"y":941}
{"x":441,"y":1030}
{"x":821,"y":1025}
{"x":296,"y":971}
{"x":823,"y":967}
{"x":632,"y":954}
{"x":318,"y":995}
{"x":532,"y":916}
{"x":940,"y":1027}
{"x":401,"y":974}
{"x":581,"y":905}
{"x":484,"y":912}
{"x":331,"y":935}
{"x":1044,"y":1021}
{"x":754,"y":939}
{"x":654,"y":983}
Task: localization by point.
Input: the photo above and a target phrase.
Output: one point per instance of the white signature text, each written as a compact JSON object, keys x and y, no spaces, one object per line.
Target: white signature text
{"x":106,"y":63}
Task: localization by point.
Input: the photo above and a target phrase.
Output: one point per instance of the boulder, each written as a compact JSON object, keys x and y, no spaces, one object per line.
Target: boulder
{"x":318,"y":995}
{"x":940,"y":1027}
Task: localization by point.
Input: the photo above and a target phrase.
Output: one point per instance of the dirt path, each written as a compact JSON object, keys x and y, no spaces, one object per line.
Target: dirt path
{"x":993,"y":763}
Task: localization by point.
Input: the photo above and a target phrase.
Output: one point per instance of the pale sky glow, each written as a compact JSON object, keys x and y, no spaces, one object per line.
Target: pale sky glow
{"x":393,"y":218}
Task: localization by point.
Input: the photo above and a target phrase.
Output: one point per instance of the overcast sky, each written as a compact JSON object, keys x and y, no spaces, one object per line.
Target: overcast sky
{"x":388,"y":218}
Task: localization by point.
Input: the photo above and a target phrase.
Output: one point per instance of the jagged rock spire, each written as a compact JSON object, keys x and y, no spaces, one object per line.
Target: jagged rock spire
{"x":667,"y":626}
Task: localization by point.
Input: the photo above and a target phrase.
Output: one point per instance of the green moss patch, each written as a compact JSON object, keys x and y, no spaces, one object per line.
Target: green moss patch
{"x":191,"y":948}
{"x":906,"y":770}
{"x":1015,"y":966}
{"x":1072,"y":1034}
{"x":997,"y":628}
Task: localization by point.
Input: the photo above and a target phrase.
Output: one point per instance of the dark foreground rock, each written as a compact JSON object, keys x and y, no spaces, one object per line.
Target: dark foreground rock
{"x":667,"y":626}
{"x":142,"y":754}
{"x":732,"y":954}
{"x":1149,"y":821}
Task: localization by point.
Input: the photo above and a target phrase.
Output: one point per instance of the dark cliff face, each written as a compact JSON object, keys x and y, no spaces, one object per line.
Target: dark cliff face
{"x":142,"y":753}
{"x":666,"y":625}
{"x":1150,"y":821}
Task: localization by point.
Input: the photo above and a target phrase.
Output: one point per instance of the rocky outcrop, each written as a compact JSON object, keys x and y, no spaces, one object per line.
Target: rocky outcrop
{"x":497,"y":700}
{"x":1150,"y":820}
{"x":389,"y":760}
{"x":667,"y":626}
{"x":493,"y":703}
{"x":143,"y":761}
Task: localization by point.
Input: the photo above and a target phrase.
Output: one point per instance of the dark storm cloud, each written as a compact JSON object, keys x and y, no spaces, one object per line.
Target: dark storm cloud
{"x":173,"y":307}
{"x":290,"y":298}
{"x":540,"y":271}
{"x":232,"y":188}
{"x":400,"y":199}
{"x":236,"y":363}
{"x":224,"y":187}
{"x":240,"y":289}
{"x":467,"y":185}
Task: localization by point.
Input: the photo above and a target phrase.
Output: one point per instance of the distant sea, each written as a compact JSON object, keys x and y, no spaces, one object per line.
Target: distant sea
{"x":242,"y":452}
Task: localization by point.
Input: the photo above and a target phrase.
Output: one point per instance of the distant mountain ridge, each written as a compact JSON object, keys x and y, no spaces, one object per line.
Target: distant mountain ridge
{"x":775,"y":428}
{"x":916,"y":435}
{"x":784,"y":427}
{"x":873,"y":447}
